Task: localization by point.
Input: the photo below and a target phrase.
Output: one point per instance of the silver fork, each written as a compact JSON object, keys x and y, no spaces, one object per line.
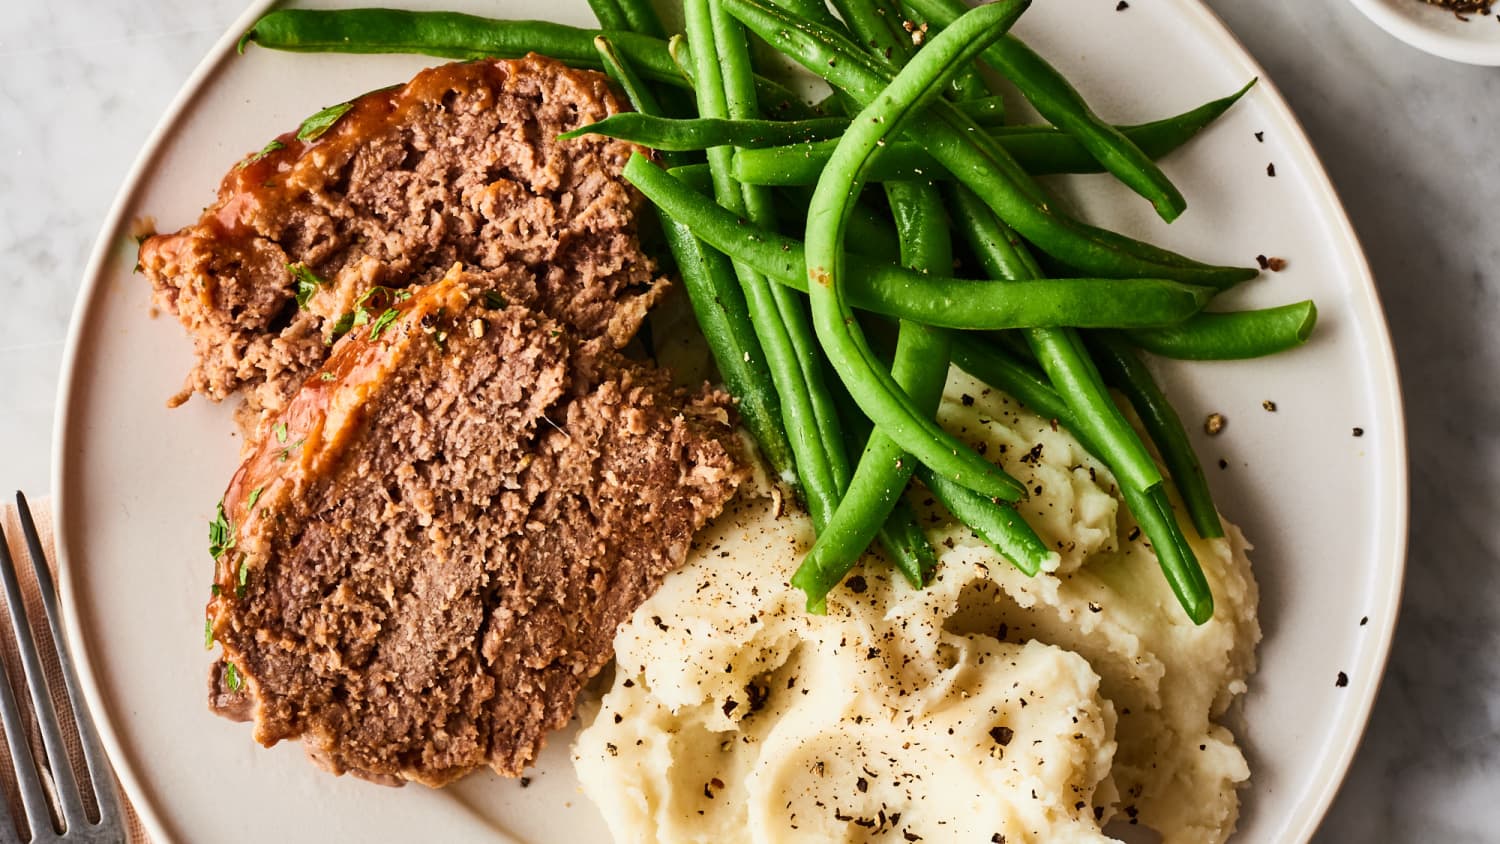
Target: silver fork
{"x":76,"y":826}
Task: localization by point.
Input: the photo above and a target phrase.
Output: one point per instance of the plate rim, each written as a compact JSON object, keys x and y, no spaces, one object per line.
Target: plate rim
{"x":1395,"y":497}
{"x":129,"y":779}
{"x":1428,"y":39}
{"x":1391,"y":502}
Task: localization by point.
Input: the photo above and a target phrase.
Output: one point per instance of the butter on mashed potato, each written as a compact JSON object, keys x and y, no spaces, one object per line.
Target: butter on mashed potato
{"x":989,"y":706}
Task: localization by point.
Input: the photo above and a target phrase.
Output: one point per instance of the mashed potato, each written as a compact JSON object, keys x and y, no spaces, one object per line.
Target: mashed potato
{"x":988,"y":707}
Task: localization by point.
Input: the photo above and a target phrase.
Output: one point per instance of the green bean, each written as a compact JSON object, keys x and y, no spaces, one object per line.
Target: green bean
{"x":702,"y":133}
{"x":1043,"y":152}
{"x":1067,"y":365}
{"x":1174,"y":556}
{"x":733,"y":55}
{"x":968,"y":85}
{"x":610,"y":15}
{"x":873,"y":389}
{"x":917,"y":557}
{"x":719,"y":305}
{"x":871,"y":24}
{"x":815,"y":472}
{"x":689,"y":134}
{"x":920,"y":365}
{"x":999,"y":525}
{"x":813,"y":10}
{"x":668,"y":99}
{"x":1040,"y":150}
{"x":884,"y":468}
{"x":985,"y":111}
{"x":994,"y":366}
{"x":623,"y":73}
{"x":774,"y":97}
{"x":1095,"y":414}
{"x":929,"y":299}
{"x":1152,"y":510}
{"x":641,"y":17}
{"x":1122,"y":369}
{"x":1232,"y":335}
{"x":920,"y":368}
{"x":978,"y":161}
{"x":452,"y":35}
{"x":448,"y":35}
{"x":1062,"y":106}
{"x":870,"y":232}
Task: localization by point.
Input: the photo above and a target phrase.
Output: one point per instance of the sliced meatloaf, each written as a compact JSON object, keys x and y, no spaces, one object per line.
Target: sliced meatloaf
{"x":459,"y":165}
{"x":428,"y":554}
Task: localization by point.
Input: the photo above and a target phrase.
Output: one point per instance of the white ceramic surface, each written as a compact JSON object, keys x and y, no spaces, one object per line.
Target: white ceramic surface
{"x":1327,"y":510}
{"x":1470,"y":38}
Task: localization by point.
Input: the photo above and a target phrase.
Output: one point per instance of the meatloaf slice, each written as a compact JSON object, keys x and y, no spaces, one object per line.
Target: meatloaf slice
{"x":461,"y":164}
{"x":428,"y":554}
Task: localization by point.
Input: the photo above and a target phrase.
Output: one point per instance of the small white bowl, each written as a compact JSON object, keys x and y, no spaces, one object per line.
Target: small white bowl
{"x":1438,"y":31}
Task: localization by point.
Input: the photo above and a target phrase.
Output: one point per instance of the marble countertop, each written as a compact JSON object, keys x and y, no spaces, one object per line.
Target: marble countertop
{"x":1411,"y":144}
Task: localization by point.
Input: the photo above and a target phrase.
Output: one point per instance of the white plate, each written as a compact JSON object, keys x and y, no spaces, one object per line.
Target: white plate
{"x":1326,"y":510}
{"x":1438,"y":31}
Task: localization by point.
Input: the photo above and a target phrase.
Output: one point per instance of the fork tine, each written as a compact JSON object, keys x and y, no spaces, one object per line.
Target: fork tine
{"x":105,"y":793}
{"x":28,"y":782}
{"x":65,"y":785}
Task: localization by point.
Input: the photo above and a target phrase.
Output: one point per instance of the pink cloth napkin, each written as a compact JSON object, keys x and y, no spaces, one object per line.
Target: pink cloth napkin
{"x":10,"y":661}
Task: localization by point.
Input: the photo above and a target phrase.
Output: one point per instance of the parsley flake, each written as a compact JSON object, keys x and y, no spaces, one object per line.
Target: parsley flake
{"x":493,"y":300}
{"x":264,"y":151}
{"x":254,"y":497}
{"x":382,"y":321}
{"x":220,"y":533}
{"x":208,"y":633}
{"x":244,"y":572}
{"x":378,"y":298}
{"x":341,"y":327}
{"x":327,"y":376}
{"x":307,"y":283}
{"x":313,"y":127}
{"x":231,"y":677}
{"x":280,"y":430}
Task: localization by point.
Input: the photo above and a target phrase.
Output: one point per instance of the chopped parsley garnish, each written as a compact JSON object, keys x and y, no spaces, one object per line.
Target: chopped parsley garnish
{"x":264,"y":151}
{"x":385,"y":319}
{"x":208,"y":633}
{"x":327,"y":376}
{"x":231,"y":677}
{"x":307,"y":283}
{"x":287,"y":452}
{"x":220,"y":533}
{"x":280,"y":430}
{"x":493,"y":300}
{"x":213,"y":589}
{"x":254,"y":497}
{"x":341,"y":327}
{"x":313,"y":127}
{"x":376,"y":299}
{"x":244,"y":577}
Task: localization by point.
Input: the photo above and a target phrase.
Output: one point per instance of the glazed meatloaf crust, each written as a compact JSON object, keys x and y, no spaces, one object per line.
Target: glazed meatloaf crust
{"x":430,"y":552}
{"x":459,"y":165}
{"x":455,"y":487}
